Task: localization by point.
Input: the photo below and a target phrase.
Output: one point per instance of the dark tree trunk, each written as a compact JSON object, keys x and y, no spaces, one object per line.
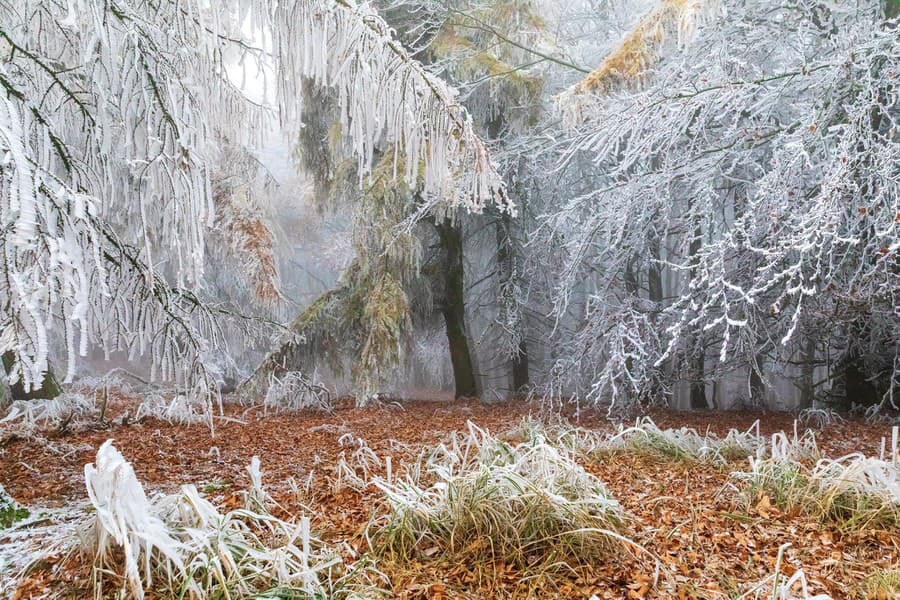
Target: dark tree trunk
{"x":698,"y":385}
{"x":507,"y":262}
{"x":807,"y":372}
{"x":49,"y":387}
{"x":454,"y":310}
{"x":856,"y":387}
{"x":757,"y":384}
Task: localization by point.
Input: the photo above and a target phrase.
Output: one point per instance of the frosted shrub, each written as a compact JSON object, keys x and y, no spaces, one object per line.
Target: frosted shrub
{"x":49,"y":413}
{"x":198,"y":552}
{"x":296,"y":391}
{"x":819,"y":417}
{"x":180,"y":410}
{"x":518,"y":503}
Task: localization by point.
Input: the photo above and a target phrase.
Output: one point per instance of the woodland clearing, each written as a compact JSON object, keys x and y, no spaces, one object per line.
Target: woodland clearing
{"x":701,"y":536}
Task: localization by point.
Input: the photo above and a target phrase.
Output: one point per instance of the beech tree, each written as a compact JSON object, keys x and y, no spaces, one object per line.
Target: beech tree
{"x":748,"y":153}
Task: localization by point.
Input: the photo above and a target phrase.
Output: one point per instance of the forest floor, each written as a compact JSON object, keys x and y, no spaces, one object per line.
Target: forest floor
{"x":685,"y":513}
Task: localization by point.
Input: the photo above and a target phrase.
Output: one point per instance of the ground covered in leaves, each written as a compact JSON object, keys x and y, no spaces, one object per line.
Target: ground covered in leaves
{"x":693,"y":535}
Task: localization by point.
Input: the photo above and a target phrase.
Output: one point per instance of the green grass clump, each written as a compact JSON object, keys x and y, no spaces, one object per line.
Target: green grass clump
{"x":854,"y":492}
{"x":883,"y":584}
{"x":528,"y":505}
{"x":10,"y":510}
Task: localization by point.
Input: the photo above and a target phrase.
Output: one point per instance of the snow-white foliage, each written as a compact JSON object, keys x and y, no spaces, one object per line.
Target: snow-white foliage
{"x":113,"y":122}
{"x":672,"y":23}
{"x":384,"y":97}
{"x":743,"y":198}
{"x":48,"y":413}
{"x":125,"y":520}
{"x":180,"y":410}
{"x":294,"y":390}
{"x":201,"y":552}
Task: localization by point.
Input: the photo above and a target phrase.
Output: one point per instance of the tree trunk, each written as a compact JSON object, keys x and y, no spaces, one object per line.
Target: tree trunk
{"x":807,"y":372}
{"x":698,"y":384}
{"x":757,"y":384}
{"x":454,"y":310}
{"x":49,"y":386}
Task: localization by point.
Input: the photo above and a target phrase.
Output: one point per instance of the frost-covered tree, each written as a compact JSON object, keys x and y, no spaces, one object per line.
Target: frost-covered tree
{"x":117,"y":124}
{"x":745,"y":217}
{"x":424,"y":262}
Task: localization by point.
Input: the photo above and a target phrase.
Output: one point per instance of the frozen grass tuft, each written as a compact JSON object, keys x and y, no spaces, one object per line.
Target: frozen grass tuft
{"x":646,"y":437}
{"x":355,"y":465}
{"x":779,"y":586}
{"x":855,"y":492}
{"x":529,"y":505}
{"x":686,"y":443}
{"x":125,"y":521}
{"x":56,"y":413}
{"x":296,"y":391}
{"x":182,"y":546}
{"x":883,"y":584}
{"x":795,"y":447}
{"x":180,"y":410}
{"x":45,"y":533}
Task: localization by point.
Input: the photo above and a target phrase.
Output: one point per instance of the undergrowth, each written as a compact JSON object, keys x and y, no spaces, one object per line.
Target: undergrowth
{"x":883,"y":584}
{"x":10,"y":510}
{"x":854,"y":492}
{"x":479,"y":499}
{"x":645,"y":437}
{"x":181,"y":546}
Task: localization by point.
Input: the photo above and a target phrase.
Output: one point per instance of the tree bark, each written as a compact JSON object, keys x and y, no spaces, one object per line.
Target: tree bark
{"x":454,"y":310}
{"x":807,"y":372}
{"x":757,"y":383}
{"x":49,"y":386}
